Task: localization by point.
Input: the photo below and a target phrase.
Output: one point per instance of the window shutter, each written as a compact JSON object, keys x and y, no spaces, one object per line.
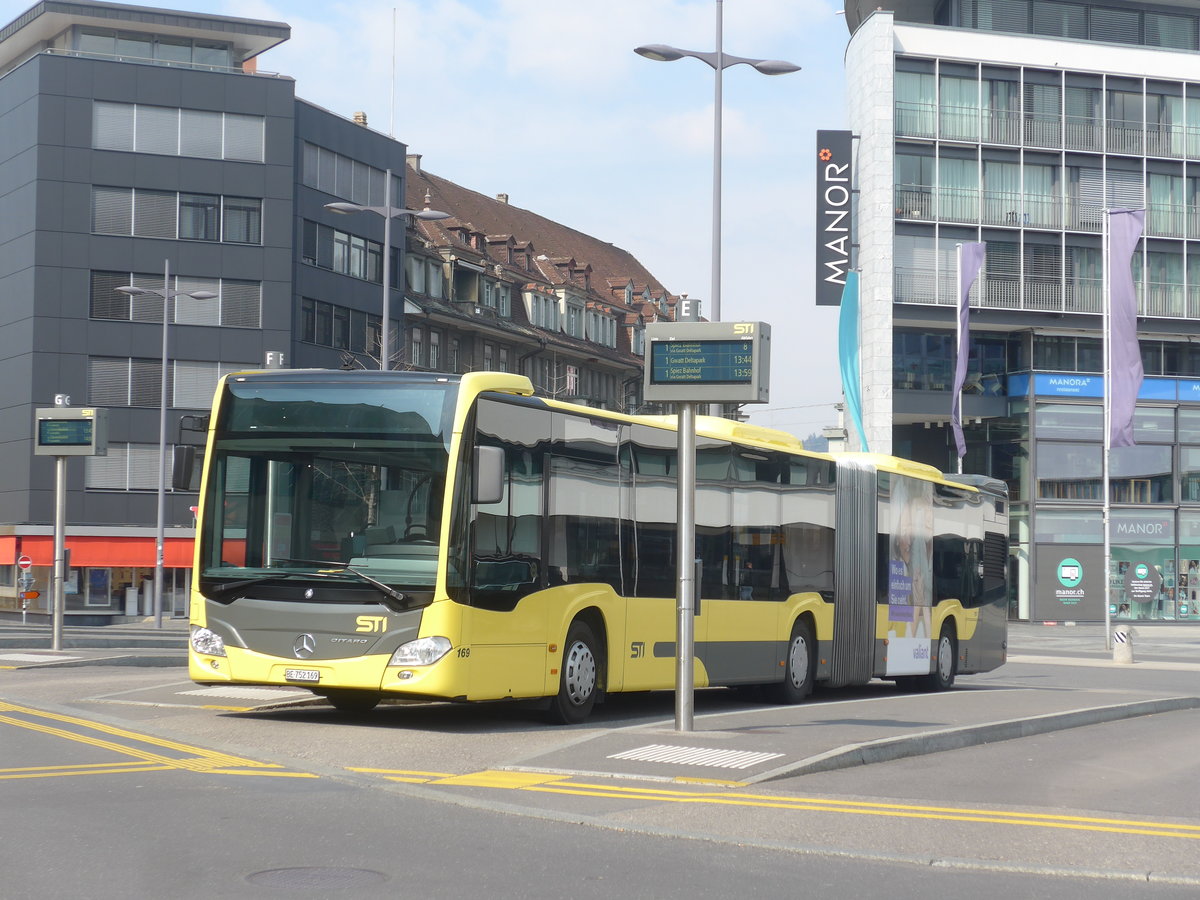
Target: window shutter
{"x":112,"y":210}
{"x":154,"y":213}
{"x":190,"y":311}
{"x":143,"y":467}
{"x":106,"y":301}
{"x":244,"y":139}
{"x":157,"y":130}
{"x":145,"y":377}
{"x":108,"y":381}
{"x":241,"y":303}
{"x":112,"y":126}
{"x":200,"y":134}
{"x":195,"y":383}
{"x":1116,"y":26}
{"x":106,"y":472}
{"x":147,"y":307}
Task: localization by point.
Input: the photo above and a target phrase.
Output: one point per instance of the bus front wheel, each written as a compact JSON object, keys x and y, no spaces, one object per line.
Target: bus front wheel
{"x":352,"y":701}
{"x":800,"y":667}
{"x":578,"y":677}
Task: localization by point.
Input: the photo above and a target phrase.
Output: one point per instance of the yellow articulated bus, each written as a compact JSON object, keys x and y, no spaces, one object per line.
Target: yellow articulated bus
{"x":376,"y":535}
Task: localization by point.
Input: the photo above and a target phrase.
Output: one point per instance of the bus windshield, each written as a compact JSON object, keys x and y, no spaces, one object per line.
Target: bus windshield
{"x":324,"y":481}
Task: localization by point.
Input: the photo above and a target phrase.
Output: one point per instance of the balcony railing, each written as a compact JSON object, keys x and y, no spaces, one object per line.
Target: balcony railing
{"x":1164,"y":300}
{"x":1001,"y":127}
{"x":958,"y":205}
{"x":1166,"y":220}
{"x":1165,"y":140}
{"x":1043,"y":131}
{"x":1082,"y":133}
{"x":915,"y":119}
{"x":1125,"y":136}
{"x":959,"y":123}
{"x":914,"y":201}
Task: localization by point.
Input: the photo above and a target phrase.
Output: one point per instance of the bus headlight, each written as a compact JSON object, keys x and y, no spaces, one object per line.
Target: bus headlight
{"x":207,"y":642}
{"x":421,"y":652}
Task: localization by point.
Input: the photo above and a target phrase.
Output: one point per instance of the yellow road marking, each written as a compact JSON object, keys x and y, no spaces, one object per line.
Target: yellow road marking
{"x":491,"y":778}
{"x":557,"y":784}
{"x":194,"y":759}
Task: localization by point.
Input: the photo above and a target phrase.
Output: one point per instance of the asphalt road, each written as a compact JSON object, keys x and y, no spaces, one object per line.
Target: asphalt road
{"x":118,"y":781}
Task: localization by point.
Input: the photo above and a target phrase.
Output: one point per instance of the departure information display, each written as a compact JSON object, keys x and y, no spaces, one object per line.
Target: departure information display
{"x":707,"y":362}
{"x":702,"y":362}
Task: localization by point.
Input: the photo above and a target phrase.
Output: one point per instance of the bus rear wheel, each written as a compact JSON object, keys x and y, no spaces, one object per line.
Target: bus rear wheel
{"x":578,"y":677}
{"x":945,"y":666}
{"x":352,"y":701}
{"x":800,"y":668}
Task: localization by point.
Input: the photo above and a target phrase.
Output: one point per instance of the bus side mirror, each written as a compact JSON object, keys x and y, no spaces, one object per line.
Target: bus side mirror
{"x":183,"y":464}
{"x":488,"y":477}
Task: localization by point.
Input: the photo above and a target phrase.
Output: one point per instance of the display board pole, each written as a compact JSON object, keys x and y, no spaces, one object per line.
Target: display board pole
{"x":60,"y":527}
{"x":685,"y":627}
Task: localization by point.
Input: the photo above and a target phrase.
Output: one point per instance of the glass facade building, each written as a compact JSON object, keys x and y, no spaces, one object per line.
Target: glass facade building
{"x":1018,"y":124}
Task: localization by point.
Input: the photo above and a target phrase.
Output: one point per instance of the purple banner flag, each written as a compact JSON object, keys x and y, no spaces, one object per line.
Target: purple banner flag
{"x":1124,"y":378}
{"x":970,"y":261}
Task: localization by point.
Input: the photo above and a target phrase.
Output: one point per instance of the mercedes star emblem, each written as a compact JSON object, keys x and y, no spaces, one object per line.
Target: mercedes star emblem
{"x":308,"y":593}
{"x":305,"y":646}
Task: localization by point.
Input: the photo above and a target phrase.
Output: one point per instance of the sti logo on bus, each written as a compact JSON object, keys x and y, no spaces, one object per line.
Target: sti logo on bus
{"x":834,"y":192}
{"x":370,"y":624}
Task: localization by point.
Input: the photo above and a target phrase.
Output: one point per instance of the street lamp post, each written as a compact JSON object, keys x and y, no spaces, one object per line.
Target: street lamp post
{"x":388,"y":212}
{"x":719,"y":61}
{"x":160,"y":523}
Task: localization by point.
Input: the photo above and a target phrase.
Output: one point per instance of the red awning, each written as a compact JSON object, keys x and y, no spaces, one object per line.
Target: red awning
{"x":105,"y":551}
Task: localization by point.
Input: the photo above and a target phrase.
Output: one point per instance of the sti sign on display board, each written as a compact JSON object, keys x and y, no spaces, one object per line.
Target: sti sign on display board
{"x":834,"y":192}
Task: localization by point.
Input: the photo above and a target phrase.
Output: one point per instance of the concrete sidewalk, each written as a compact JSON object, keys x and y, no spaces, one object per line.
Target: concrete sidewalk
{"x":134,"y":644}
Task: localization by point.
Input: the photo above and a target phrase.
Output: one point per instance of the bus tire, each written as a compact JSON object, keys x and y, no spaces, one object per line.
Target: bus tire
{"x":578,"y":677}
{"x":945,"y":664}
{"x":800,"y":668}
{"x":352,"y":701}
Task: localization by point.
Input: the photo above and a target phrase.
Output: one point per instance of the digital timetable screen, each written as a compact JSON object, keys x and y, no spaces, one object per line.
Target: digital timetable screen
{"x":65,"y":432}
{"x":707,"y":362}
{"x":702,"y":362}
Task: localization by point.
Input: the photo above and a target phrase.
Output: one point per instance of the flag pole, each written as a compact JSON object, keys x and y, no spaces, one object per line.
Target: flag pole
{"x":1107,"y":337}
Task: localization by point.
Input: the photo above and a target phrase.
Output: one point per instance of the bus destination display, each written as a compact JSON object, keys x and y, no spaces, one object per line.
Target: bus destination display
{"x":702,"y":362}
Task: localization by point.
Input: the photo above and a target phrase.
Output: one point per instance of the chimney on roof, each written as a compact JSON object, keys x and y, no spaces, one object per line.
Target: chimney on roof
{"x":414,"y":162}
{"x":360,"y":118}
{"x":502,"y":198}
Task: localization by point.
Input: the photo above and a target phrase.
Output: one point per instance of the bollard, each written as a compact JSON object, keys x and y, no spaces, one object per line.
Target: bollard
{"x":1123,"y":645}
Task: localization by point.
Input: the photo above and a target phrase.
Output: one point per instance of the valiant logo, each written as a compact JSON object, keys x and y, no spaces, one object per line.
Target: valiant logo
{"x":834,"y":219}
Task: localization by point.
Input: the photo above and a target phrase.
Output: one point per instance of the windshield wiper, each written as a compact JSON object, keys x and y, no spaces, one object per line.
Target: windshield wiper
{"x":222,"y":589}
{"x":400,"y":601}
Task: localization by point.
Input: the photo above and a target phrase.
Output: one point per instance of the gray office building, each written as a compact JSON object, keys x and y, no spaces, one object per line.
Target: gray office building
{"x":138,"y":145}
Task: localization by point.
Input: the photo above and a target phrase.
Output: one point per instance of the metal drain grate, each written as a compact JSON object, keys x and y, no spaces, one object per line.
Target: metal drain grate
{"x":697,"y":756}
{"x":308,"y":878}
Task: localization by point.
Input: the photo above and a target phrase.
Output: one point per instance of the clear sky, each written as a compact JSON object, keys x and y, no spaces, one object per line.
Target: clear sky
{"x":544,"y":100}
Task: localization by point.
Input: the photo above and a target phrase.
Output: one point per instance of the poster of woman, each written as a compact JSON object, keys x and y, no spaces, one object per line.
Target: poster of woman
{"x":910,"y":575}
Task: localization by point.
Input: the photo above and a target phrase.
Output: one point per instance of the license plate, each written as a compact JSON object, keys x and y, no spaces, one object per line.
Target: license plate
{"x":302,"y":674}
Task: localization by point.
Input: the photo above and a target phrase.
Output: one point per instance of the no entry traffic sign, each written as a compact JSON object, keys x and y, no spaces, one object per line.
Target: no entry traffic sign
{"x":24,"y":563}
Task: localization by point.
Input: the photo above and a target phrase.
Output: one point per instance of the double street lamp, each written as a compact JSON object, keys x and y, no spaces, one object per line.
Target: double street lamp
{"x":388,"y":212}
{"x":160,"y":526}
{"x":719,"y":61}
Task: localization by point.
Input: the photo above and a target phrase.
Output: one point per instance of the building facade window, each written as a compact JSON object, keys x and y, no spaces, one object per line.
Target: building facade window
{"x":341,"y":252}
{"x":137,"y":212}
{"x":341,"y":176}
{"x":332,"y":325}
{"x":139,"y":128}
{"x":238,"y":303}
